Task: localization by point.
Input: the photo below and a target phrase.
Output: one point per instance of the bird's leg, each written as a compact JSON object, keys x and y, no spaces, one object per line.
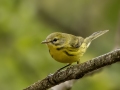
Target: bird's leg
{"x":63,"y":67}
{"x":78,"y":62}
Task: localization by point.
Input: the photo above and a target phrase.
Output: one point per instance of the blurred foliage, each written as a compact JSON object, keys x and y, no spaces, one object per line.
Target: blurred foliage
{"x":25,"y":23}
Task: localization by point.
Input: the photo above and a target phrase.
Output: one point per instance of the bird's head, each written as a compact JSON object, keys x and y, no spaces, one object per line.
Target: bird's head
{"x":55,"y":39}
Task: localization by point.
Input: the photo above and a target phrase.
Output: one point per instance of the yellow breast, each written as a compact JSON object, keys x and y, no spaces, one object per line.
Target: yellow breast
{"x":65,"y":55}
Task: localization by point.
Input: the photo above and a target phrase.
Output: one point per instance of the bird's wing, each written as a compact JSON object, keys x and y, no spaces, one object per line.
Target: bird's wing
{"x":76,"y":42}
{"x":73,"y":46}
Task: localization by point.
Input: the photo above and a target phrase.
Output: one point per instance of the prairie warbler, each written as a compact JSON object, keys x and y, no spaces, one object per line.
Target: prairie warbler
{"x":67,"y":48}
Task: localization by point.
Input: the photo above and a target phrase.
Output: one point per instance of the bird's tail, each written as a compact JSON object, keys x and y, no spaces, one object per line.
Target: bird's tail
{"x":94,"y":36}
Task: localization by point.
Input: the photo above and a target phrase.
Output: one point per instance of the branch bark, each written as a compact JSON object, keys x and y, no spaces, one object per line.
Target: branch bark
{"x":76,"y":71}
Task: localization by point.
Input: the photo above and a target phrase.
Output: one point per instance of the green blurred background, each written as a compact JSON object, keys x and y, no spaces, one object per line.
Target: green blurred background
{"x":25,"y":23}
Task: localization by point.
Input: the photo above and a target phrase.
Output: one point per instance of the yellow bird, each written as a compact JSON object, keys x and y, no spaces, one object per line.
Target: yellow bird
{"x":67,"y":48}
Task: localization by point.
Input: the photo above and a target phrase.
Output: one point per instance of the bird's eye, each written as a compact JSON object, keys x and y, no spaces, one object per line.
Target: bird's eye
{"x":55,"y":39}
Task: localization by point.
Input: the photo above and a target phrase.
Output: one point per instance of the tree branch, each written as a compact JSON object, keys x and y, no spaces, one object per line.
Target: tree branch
{"x":76,"y":71}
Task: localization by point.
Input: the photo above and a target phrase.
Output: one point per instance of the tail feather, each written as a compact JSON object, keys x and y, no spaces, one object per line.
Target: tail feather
{"x":94,"y":36}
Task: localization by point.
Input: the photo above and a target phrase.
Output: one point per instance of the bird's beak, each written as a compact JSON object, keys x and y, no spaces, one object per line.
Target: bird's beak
{"x":44,"y":42}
